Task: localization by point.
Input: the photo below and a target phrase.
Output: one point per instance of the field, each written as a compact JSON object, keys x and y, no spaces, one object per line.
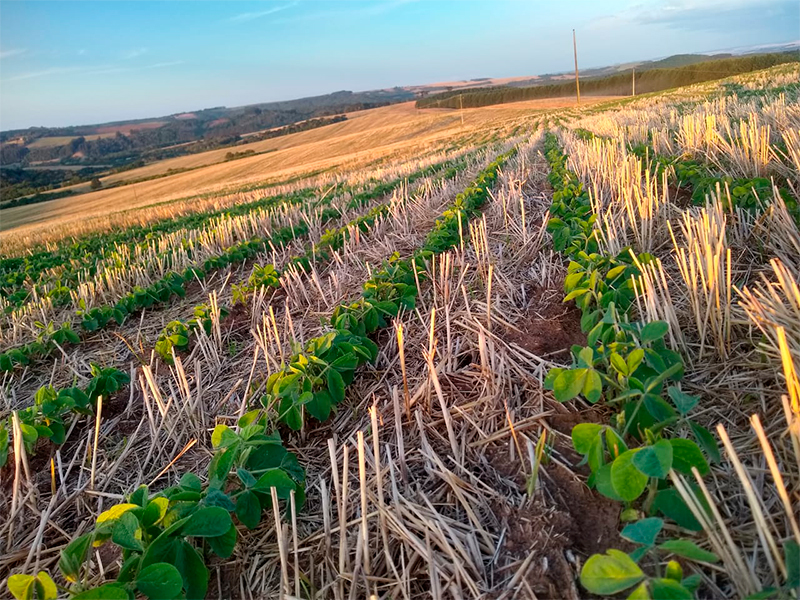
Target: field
{"x":398,"y":130}
{"x":551,"y":352}
{"x":52,"y":142}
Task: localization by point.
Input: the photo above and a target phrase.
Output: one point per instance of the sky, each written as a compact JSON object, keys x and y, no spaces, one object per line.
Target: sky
{"x":71,"y":63}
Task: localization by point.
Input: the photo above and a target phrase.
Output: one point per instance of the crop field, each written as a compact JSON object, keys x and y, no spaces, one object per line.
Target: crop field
{"x":52,"y":142}
{"x":393,"y":133}
{"x":553,"y":352}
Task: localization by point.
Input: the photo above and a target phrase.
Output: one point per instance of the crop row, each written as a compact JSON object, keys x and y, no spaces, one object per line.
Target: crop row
{"x":629,"y":367}
{"x":701,"y":180}
{"x":20,"y":275}
{"x":53,"y":273}
{"x":177,"y":334}
{"x":155,"y":531}
{"x":173,"y":284}
{"x":45,"y":419}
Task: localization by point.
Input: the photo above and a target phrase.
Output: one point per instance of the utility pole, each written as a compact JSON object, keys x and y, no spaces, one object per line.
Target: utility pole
{"x":577,"y":82}
{"x":633,"y":82}
{"x":461,"y":104}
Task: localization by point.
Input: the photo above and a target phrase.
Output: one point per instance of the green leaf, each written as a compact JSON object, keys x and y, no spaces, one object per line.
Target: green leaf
{"x":619,"y":363}
{"x":593,"y":388}
{"x":583,"y":435}
{"x":791,"y":555}
{"x":223,"y":545}
{"x":692,"y":582}
{"x":690,"y":550}
{"x":45,"y":587}
{"x":616,"y":445}
{"x":207,"y":521}
{"x":706,"y":441}
{"x":640,"y":593}
{"x":190,"y":481}
{"x":596,"y":456}
{"x":627,"y":480}
{"x":320,"y":405}
{"x":670,"y":503}
{"x":278,"y":479}
{"x":72,"y":557}
{"x":335,"y":385}
{"x":159,"y":580}
{"x":610,"y":573}
{"x":109,"y":591}
{"x":602,"y":482}
{"x":685,"y":455}
{"x":193,"y":571}
{"x":289,"y":412}
{"x":655,"y":460}
{"x":21,"y":586}
{"x":669,"y":589}
{"x":654,"y":330}
{"x":643,"y":532}
{"x":569,"y":384}
{"x":124,"y":531}
{"x":658,"y":408}
{"x":220,"y":466}
{"x":248,"y":509}
{"x":683,"y":402}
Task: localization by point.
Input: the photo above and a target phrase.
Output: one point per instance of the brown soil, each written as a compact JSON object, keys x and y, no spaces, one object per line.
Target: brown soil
{"x":550,"y":328}
{"x":681,"y":196}
{"x":566,"y":521}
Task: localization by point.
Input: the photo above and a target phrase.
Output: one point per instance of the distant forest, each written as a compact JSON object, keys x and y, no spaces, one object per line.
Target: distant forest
{"x":651,"y":80}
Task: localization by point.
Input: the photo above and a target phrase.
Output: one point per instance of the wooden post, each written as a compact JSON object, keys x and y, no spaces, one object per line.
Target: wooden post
{"x":577,"y":82}
{"x":461,"y":105}
{"x":633,"y":82}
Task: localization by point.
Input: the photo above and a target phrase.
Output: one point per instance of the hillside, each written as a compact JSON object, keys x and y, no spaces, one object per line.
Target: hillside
{"x":647,"y":81}
{"x":366,"y":136}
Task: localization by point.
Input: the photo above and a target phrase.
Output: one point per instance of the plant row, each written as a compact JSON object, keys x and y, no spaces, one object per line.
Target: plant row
{"x":45,"y":419}
{"x":177,"y":334}
{"x":629,"y":367}
{"x":700,"y":180}
{"x":173,"y":284}
{"x":20,"y":275}
{"x":81,"y":255}
{"x":166,"y":538}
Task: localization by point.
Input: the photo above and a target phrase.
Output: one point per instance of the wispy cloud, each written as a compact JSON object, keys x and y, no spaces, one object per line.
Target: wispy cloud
{"x":251,"y":16}
{"x":95,"y":70}
{"x":370,"y":10}
{"x":346,"y":11}
{"x":164,"y":64}
{"x":43,"y":73}
{"x":705,"y":15}
{"x":135,"y":53}
{"x":12,"y":52}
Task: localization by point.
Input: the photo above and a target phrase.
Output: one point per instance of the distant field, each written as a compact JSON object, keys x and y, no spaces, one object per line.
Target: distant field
{"x":52,"y":142}
{"x":126,"y":129}
{"x":103,"y":132}
{"x":364,"y":137}
{"x":98,"y":136}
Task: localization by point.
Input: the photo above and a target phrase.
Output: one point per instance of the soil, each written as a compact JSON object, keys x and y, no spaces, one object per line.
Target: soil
{"x":566,"y":521}
{"x":681,"y":196}
{"x":550,"y":328}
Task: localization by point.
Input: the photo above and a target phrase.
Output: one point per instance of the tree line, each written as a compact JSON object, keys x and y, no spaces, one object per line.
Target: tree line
{"x":653,"y":80}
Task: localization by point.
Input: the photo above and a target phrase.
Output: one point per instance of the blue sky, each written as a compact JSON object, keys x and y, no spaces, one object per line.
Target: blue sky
{"x":68,"y":63}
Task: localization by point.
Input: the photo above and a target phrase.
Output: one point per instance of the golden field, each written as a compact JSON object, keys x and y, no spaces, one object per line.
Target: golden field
{"x":366,"y":136}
